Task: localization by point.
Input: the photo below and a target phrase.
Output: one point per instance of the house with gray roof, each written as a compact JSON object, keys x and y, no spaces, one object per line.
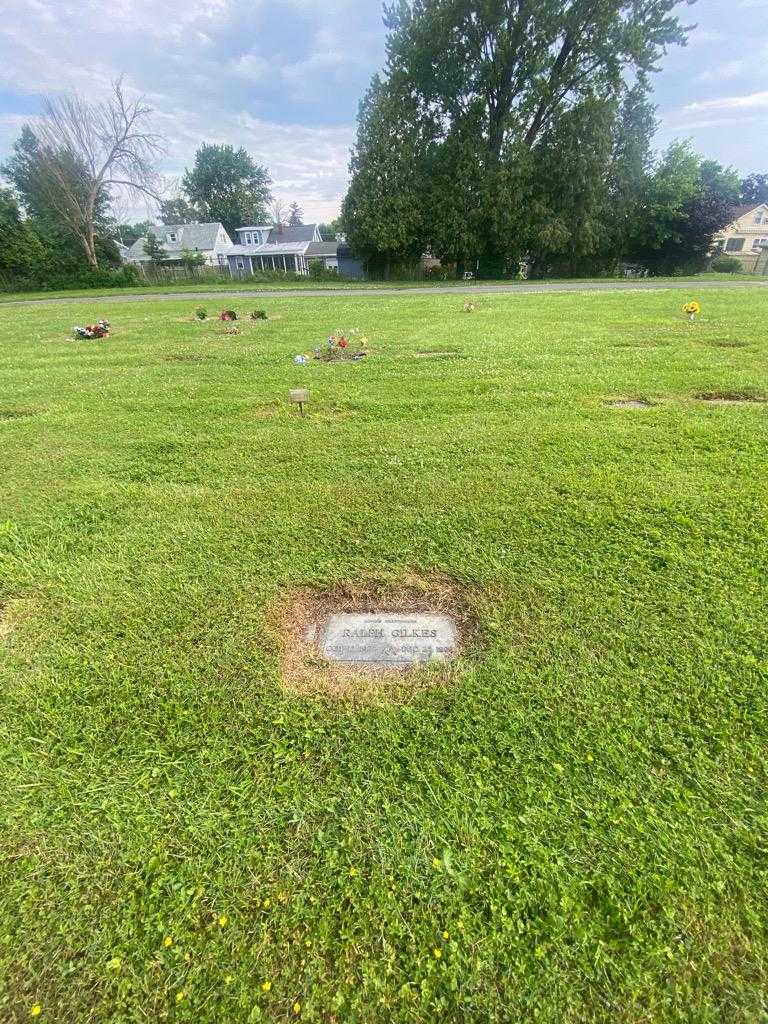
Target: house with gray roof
{"x":290,"y":248}
{"x":211,"y":240}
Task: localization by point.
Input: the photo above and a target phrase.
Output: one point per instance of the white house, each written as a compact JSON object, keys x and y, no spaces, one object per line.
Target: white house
{"x":746,"y":237}
{"x":209,"y":239}
{"x":290,"y":248}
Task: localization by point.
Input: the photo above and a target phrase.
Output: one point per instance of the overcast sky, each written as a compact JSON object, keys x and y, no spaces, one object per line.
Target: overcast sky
{"x":283,"y":77}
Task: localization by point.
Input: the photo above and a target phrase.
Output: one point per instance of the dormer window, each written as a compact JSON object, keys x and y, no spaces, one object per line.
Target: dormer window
{"x":172,"y":236}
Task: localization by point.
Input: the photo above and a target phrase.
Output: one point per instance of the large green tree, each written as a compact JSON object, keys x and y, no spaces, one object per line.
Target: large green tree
{"x":21,"y":252}
{"x":630,"y":167}
{"x":385,"y":211}
{"x":226,"y":184}
{"x":179,"y":211}
{"x":470,"y":89}
{"x":127,"y":234}
{"x":754,"y":189}
{"x":84,"y":151}
{"x":27,"y":172}
{"x":687,"y":200}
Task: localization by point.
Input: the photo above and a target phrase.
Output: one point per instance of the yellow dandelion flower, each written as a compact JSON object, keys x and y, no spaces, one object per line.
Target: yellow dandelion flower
{"x":228,"y":979}
{"x":267,"y":904}
{"x":460,"y":925}
{"x":223,"y":920}
{"x":266,"y":986}
{"x":297,"y":1008}
{"x":36,"y":1010}
{"x":180,"y":996}
{"x":437,"y":952}
{"x":353,"y":872}
{"x":167,"y":941}
{"x":435,"y":862}
{"x":446,"y":935}
{"x":114,"y":963}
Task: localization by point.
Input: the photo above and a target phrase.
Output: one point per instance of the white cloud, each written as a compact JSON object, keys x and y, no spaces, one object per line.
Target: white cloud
{"x":748,"y":102}
{"x":280,"y":77}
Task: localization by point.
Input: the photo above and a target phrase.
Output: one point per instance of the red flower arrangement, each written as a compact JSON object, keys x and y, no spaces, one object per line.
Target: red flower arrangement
{"x":338,"y":346}
{"x":99,"y":330}
{"x":227,"y":314}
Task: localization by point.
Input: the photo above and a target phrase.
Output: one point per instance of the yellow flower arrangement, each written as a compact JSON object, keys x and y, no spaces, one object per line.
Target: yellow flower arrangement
{"x":692,"y":309}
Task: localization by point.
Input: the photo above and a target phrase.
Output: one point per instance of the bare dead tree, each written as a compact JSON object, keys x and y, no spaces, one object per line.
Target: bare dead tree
{"x":87,"y":149}
{"x":278,"y":211}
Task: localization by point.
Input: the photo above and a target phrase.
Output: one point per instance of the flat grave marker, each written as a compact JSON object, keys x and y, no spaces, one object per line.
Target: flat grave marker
{"x":388,"y":639}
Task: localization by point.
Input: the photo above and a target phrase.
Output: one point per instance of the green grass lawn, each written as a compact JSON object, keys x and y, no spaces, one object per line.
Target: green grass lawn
{"x":573,"y":829}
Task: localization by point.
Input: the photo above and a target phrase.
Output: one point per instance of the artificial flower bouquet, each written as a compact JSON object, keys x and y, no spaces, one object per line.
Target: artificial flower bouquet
{"x":98,"y":330}
{"x":342,"y":345}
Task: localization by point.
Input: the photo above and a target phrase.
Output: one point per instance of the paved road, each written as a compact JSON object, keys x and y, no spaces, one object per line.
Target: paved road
{"x":534,"y":288}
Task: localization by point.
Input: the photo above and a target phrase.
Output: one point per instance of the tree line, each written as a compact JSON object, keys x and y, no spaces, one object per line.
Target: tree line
{"x":505,"y":133}
{"x":500,"y":134}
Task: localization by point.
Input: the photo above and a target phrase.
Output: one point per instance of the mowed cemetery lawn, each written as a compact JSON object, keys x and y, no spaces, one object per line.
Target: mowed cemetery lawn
{"x":570,"y":826}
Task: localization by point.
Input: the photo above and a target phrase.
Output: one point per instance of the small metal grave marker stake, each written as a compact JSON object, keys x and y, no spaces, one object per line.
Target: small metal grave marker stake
{"x":299,"y":396}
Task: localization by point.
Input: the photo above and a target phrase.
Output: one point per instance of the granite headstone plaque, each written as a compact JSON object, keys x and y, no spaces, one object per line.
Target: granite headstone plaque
{"x":388,"y":639}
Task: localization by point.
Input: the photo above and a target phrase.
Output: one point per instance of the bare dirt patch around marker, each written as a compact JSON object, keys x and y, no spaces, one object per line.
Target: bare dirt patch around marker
{"x":298,"y":619}
{"x":734,"y":397}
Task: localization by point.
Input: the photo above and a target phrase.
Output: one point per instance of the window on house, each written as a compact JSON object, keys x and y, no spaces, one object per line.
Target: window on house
{"x":241,"y":264}
{"x":758,"y":243}
{"x":248,"y":238}
{"x":734,"y":245}
{"x":172,"y":236}
{"x":761,"y":218}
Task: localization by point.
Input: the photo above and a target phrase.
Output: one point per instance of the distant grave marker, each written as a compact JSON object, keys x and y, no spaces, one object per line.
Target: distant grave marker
{"x":629,"y":403}
{"x":300,"y":397}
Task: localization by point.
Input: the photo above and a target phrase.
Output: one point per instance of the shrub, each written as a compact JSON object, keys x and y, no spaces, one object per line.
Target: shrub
{"x":125,"y":277}
{"x":201,"y":313}
{"x":726,"y":265}
{"x":319,"y":272}
{"x":259,"y":314}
